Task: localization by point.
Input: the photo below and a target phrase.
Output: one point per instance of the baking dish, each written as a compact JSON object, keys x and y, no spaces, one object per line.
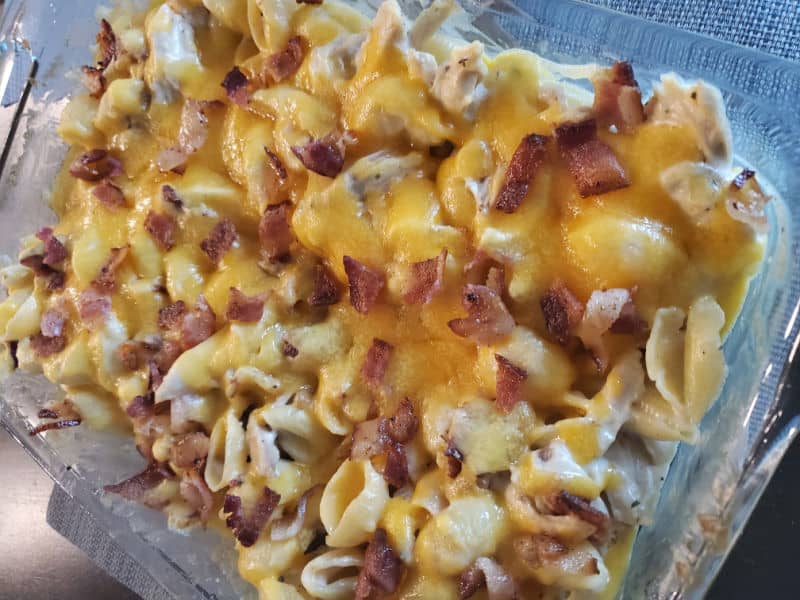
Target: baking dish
{"x":712,"y":486}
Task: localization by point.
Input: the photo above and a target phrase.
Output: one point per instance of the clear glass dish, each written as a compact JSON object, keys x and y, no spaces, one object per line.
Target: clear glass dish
{"x":712,"y":487}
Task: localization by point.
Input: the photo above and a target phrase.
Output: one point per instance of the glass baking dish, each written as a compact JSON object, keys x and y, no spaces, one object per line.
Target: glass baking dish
{"x":712,"y":487}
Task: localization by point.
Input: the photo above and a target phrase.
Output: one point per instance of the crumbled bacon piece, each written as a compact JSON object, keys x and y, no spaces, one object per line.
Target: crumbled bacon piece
{"x":171,"y":315}
{"x":608,"y":310}
{"x":274,"y":233}
{"x":128,"y":354}
{"x":526,"y":161}
{"x":365,"y":284}
{"x":326,"y":288}
{"x":53,"y":425}
{"x":135,"y":487}
{"x":324,"y":157}
{"x":56,"y":281}
{"x":455,"y":459}
{"x":109,"y":195}
{"x":235,"y":84}
{"x":510,"y":379}
{"x":247,"y":309}
{"x":376,"y":363}
{"x":545,"y":551}
{"x":169,"y":195}
{"x":288,"y":350}
{"x":248,"y":528}
{"x":106,"y":279}
{"x":219,"y":240}
{"x":35,"y":262}
{"x":591,"y":162}
{"x":470,"y":581}
{"x":44,"y":346}
{"x":95,"y":165}
{"x":106,"y":44}
{"x":562,"y":311}
{"x":617,"y":98}
{"x":198,"y":324}
{"x":629,"y":321}
{"x":312,"y":2}
{"x":94,"y":81}
{"x":395,"y":471}
{"x":742,"y":178}
{"x":403,"y":425}
{"x":156,"y":377}
{"x":93,"y":306}
{"x":284,"y":63}
{"x":564,"y":503}
{"x":425,"y":279}
{"x":195,"y":491}
{"x":167,"y":355}
{"x":141,"y":406}
{"x":369,"y":439}
{"x":47,"y":413}
{"x":54,"y":250}
{"x":52,"y":323}
{"x":189,"y":449}
{"x":161,"y":228}
{"x":488,"y":319}
{"x":382,"y":568}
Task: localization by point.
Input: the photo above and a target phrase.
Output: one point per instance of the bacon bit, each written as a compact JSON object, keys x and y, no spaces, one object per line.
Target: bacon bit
{"x":326,"y":287}
{"x":106,"y":278}
{"x":56,"y":281}
{"x":243,"y":308}
{"x":545,"y":551}
{"x":141,"y":406}
{"x":169,"y":195}
{"x":382,"y":568}
{"x":403,"y":425}
{"x":189,"y":449}
{"x":106,"y":44}
{"x":510,"y":378}
{"x":219,"y":240}
{"x":284,"y":64}
{"x":94,"y":81}
{"x":167,"y":355}
{"x":95,"y":165}
{"x":365,"y":284}
{"x":562,"y":311}
{"x":395,"y":471}
{"x":369,"y":439}
{"x":742,"y":178}
{"x":276,"y":164}
{"x":617,"y":98}
{"x":235,"y":84}
{"x":425,"y":279}
{"x":274,"y":233}
{"x":323,"y":157}
{"x":442,"y":151}
{"x":198,"y":324}
{"x":54,"y":251}
{"x":161,"y":228}
{"x":135,"y":487}
{"x":376,"y":363}
{"x":592,"y":163}
{"x":247,"y":529}
{"x":311,"y":2}
{"x":564,"y":503}
{"x":603,"y":310}
{"x":527,"y":159}
{"x":290,"y":525}
{"x":488,"y":319}
{"x":129,"y":354}
{"x":93,"y":306}
{"x":35,"y":262}
{"x":470,"y":581}
{"x":288,"y":350}
{"x":629,"y":321}
{"x":455,"y":459}
{"x":52,"y":323}
{"x":171,"y":315}
{"x":195,"y":491}
{"x":109,"y":195}
{"x":63,"y":424}
{"x":44,"y":346}
{"x":156,"y":378}
{"x":47,"y":413}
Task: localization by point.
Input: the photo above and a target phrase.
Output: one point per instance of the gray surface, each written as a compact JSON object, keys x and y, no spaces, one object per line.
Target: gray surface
{"x":35,"y":562}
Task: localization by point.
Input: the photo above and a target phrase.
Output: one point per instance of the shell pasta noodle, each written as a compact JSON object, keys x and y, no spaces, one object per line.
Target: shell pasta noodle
{"x":398,"y":317}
